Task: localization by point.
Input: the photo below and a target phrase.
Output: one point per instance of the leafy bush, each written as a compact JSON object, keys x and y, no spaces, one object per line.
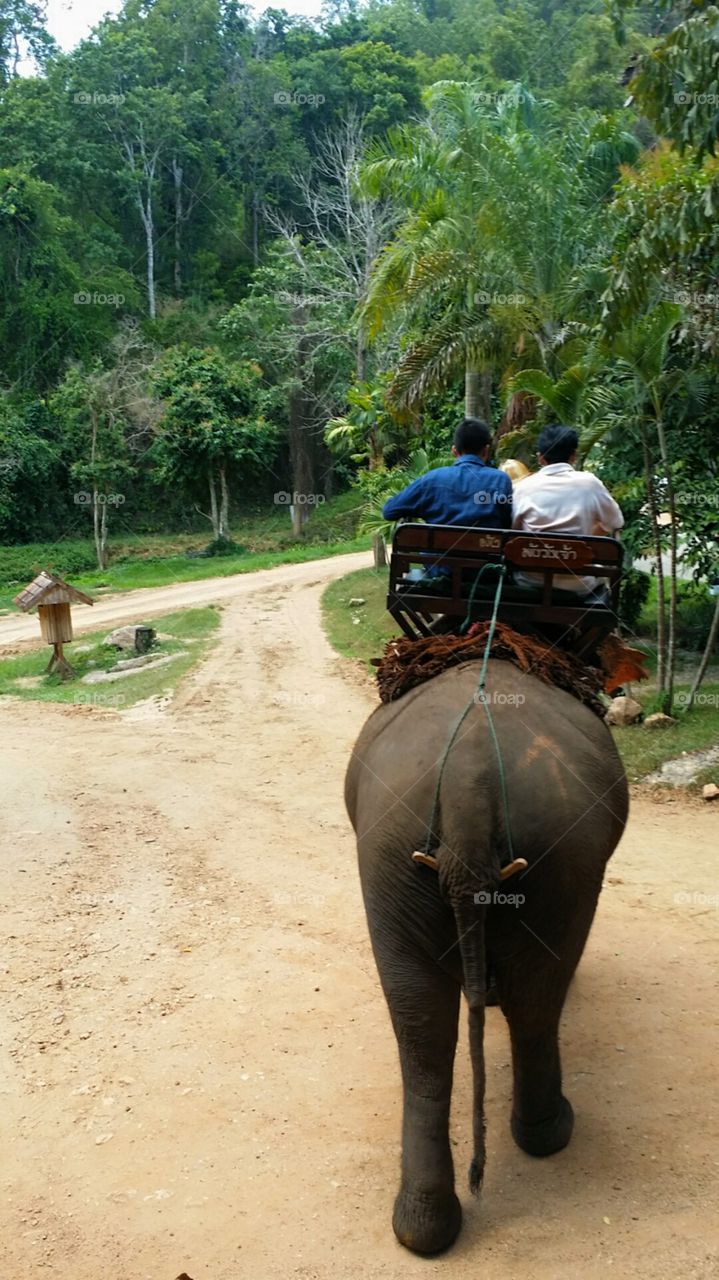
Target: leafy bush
{"x":21,"y":564}
{"x":695,"y":610}
{"x":224,"y":547}
{"x":633,"y":593}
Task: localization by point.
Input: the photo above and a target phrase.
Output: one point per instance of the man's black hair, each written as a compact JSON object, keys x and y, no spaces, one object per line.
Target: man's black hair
{"x":557,"y":443}
{"x":472,"y":436}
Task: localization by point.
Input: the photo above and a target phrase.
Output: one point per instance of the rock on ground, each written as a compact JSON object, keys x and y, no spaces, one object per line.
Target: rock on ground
{"x":124,"y":637}
{"x":623,"y":711}
{"x":129,"y":668}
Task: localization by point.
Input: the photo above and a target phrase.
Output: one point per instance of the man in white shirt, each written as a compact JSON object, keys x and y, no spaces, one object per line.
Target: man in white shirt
{"x":558,"y":499}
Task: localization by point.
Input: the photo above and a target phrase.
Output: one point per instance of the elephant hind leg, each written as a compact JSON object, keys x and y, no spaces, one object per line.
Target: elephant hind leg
{"x":536,"y":955}
{"x":424,"y":1006}
{"x":532,"y":990}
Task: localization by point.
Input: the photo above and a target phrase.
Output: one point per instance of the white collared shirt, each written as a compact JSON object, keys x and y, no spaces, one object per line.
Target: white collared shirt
{"x":558,"y":499}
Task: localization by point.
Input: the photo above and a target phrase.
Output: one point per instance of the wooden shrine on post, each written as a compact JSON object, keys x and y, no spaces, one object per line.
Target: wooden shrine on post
{"x":52,"y":598}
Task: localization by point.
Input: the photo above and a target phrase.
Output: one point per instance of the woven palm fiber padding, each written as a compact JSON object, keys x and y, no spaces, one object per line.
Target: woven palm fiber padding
{"x":407,"y":663}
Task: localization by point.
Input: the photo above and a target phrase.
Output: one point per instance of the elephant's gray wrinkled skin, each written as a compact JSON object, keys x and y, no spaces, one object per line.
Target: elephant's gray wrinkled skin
{"x":568,"y":806}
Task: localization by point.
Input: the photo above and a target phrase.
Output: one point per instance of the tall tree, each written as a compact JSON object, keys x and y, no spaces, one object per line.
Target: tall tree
{"x":503,"y":210}
{"x":23,"y":35}
{"x":213,"y":426}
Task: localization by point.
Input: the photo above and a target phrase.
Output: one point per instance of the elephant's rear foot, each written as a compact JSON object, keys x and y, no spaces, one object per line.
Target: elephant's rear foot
{"x":426,"y":1222}
{"x":546,"y":1136}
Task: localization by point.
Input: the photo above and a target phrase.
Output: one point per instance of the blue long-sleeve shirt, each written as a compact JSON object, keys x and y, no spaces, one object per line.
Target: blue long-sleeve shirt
{"x":469,"y":492}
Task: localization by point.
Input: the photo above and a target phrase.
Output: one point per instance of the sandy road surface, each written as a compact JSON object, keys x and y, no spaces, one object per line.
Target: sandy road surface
{"x":197,"y":1070}
{"x":151,"y":602}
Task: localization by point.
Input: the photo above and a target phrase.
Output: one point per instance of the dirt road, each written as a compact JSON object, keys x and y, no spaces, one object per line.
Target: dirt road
{"x":151,"y":602}
{"x":198,"y":1073}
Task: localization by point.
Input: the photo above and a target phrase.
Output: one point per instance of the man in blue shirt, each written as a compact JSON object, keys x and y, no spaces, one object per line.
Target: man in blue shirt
{"x":470,"y":492}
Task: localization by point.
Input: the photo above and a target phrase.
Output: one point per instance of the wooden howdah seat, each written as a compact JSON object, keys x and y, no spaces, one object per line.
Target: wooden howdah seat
{"x":434,"y":573}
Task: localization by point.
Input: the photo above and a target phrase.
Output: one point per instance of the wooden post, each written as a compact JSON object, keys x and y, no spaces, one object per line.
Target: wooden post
{"x":58,"y":664}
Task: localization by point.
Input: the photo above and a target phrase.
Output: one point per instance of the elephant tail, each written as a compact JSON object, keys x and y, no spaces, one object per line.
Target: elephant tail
{"x":469,"y":916}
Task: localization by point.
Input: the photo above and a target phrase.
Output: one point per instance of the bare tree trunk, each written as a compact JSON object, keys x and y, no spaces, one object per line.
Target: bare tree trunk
{"x":135,"y":148}
{"x":103,"y":535}
{"x":96,"y":529}
{"x":214,"y":516}
{"x":98,"y":525}
{"x":706,"y":656}
{"x":379,"y":551}
{"x":671,"y":640}
{"x":224,"y":525}
{"x":656,"y":537}
{"x":301,"y":428}
{"x":150,"y":239}
{"x":177,"y":174}
{"x":486,"y":396}
{"x":361,"y":357}
{"x":255,"y":229}
{"x":472,"y":392}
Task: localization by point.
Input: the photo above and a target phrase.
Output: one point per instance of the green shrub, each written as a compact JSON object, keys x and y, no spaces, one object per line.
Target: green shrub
{"x":224,"y":547}
{"x":19,"y":565}
{"x":695,"y":610}
{"x":633,"y":593}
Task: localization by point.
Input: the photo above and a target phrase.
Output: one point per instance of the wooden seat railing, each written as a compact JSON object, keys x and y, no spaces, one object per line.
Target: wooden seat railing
{"x":460,"y":552}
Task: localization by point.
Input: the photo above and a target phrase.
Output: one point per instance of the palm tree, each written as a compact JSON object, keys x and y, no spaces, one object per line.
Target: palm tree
{"x":580,"y":397}
{"x":503,"y":210}
{"x":371,"y":433}
{"x":641,"y":351}
{"x":627,"y":385}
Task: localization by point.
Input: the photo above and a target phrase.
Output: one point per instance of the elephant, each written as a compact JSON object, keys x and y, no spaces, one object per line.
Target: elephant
{"x":564,"y":803}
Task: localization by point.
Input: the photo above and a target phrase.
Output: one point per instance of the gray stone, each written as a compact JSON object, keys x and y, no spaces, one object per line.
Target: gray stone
{"x":124,"y":637}
{"x":623,"y":711}
{"x":659,"y":721}
{"x":107,"y":677}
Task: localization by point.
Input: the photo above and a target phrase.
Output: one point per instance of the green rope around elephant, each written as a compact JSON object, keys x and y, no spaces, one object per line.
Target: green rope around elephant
{"x":478,"y":696}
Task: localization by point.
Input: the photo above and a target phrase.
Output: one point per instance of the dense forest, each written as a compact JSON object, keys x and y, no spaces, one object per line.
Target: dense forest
{"x":253,"y":259}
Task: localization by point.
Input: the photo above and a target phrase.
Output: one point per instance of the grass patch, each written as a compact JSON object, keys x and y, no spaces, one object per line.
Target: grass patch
{"x":642,"y":750}
{"x":358,"y":631}
{"x":129,"y":574}
{"x":188,"y":633}
{"x":264,"y":539}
